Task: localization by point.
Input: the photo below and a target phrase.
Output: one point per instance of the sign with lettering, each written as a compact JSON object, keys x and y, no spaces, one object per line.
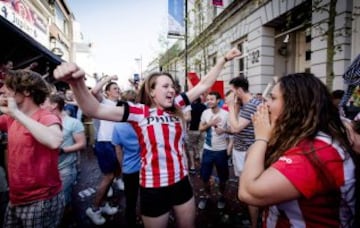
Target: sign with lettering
{"x":217,"y":2}
{"x":176,"y":18}
{"x":25,"y":19}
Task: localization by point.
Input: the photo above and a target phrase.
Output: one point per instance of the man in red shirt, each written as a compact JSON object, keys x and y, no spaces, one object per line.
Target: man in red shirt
{"x":34,"y":137}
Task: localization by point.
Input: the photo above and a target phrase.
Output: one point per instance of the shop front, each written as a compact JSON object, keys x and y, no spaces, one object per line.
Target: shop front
{"x":24,"y":51}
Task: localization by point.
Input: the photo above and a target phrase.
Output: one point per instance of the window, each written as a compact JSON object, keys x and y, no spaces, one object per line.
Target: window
{"x":60,"y":20}
{"x":308,"y":35}
{"x":211,"y":61}
{"x":199,"y":67}
{"x":198,"y":17}
{"x":241,"y":62}
{"x":214,"y":12}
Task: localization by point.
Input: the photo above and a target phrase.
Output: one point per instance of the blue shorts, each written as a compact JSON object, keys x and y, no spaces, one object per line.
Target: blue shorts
{"x":106,"y":156}
{"x":220,"y":159}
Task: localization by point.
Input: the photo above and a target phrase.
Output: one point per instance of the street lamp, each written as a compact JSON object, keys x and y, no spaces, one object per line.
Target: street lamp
{"x":139,"y":62}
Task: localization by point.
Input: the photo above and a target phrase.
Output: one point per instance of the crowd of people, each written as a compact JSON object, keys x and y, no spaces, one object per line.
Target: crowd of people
{"x":294,"y":153}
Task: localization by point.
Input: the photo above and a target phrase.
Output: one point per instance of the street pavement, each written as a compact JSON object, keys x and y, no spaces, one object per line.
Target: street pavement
{"x":233,"y":215}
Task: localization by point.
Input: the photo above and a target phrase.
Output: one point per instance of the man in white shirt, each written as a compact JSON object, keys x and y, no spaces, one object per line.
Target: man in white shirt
{"x":213,"y":122}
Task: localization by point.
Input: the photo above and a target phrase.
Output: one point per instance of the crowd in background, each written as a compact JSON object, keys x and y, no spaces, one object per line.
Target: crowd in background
{"x":295,"y":151}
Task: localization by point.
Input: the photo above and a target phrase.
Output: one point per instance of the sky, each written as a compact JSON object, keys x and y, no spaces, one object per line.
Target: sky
{"x":121,"y":31}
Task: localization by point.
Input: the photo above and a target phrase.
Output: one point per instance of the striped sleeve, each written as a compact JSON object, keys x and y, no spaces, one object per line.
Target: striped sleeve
{"x":249,"y":109}
{"x":181,"y":101}
{"x":134,"y":112}
{"x":352,"y":79}
{"x":352,"y":74}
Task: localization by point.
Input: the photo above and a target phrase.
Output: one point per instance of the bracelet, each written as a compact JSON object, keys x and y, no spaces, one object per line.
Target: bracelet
{"x":264,"y":140}
{"x":226,"y":59}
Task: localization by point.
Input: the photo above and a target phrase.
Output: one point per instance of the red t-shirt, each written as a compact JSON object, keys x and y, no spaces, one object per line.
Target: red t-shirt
{"x":32,"y":167}
{"x":161,"y":136}
{"x":317,"y":207}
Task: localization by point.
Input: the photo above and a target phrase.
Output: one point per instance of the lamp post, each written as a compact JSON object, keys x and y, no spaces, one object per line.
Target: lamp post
{"x":139,"y":62}
{"x":186,"y":45}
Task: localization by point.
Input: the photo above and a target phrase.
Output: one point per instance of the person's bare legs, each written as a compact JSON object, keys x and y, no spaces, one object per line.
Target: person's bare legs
{"x":185,"y":214}
{"x":191,"y":158}
{"x":190,"y":151}
{"x":102,"y":189}
{"x":254,"y":213}
{"x":156,"y":222}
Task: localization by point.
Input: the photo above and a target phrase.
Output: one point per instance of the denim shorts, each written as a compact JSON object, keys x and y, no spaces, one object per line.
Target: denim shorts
{"x":106,"y":156}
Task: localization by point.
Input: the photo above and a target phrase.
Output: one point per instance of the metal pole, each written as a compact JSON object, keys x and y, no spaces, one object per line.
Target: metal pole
{"x":141,"y":71}
{"x":186,"y":60}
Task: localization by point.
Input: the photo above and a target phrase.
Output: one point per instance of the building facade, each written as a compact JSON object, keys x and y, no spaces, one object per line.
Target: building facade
{"x":34,"y":36}
{"x":61,"y":29}
{"x":83,"y":54}
{"x":276,"y":37}
{"x":43,"y":33}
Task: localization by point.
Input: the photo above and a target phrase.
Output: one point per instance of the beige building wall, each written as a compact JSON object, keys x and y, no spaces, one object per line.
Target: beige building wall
{"x":355,"y":41}
{"x":269,"y":50}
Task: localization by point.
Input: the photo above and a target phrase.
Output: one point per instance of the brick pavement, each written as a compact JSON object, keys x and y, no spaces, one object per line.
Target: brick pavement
{"x":233,"y":215}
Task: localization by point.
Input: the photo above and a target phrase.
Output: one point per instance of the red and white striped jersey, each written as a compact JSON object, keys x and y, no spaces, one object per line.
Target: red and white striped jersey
{"x":323,"y":203}
{"x":161,"y":138}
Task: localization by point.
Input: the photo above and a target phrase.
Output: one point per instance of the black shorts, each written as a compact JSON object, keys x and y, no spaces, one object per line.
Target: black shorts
{"x":157,"y":201}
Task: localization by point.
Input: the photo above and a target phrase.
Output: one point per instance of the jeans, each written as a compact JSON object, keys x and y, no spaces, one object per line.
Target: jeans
{"x":68,"y":177}
{"x":4,"y":200}
{"x":217,"y":158}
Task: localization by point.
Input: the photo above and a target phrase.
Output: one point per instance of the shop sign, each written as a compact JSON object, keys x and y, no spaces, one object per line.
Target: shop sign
{"x":25,"y":19}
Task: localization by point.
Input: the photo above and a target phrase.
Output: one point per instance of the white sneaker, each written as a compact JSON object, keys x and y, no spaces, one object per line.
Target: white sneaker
{"x":221,"y":203}
{"x":120,"y":184}
{"x":110,"y":193}
{"x":202,"y":203}
{"x":95,"y":216}
{"x":107,"y":209}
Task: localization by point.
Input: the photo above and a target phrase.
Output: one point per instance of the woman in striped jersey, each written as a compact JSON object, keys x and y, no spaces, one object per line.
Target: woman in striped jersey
{"x":301,"y":164}
{"x":158,"y":122}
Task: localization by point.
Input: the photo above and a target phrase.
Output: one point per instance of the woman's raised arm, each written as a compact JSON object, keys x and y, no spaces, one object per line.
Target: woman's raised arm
{"x":207,"y":81}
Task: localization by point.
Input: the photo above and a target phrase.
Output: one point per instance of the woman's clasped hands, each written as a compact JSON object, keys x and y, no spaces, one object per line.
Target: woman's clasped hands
{"x":261,"y":122}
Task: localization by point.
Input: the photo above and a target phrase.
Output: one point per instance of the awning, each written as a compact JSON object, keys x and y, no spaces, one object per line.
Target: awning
{"x":23,"y":50}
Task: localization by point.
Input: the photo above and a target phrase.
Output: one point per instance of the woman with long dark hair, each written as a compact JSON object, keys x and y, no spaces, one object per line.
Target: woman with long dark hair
{"x":301,"y":164}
